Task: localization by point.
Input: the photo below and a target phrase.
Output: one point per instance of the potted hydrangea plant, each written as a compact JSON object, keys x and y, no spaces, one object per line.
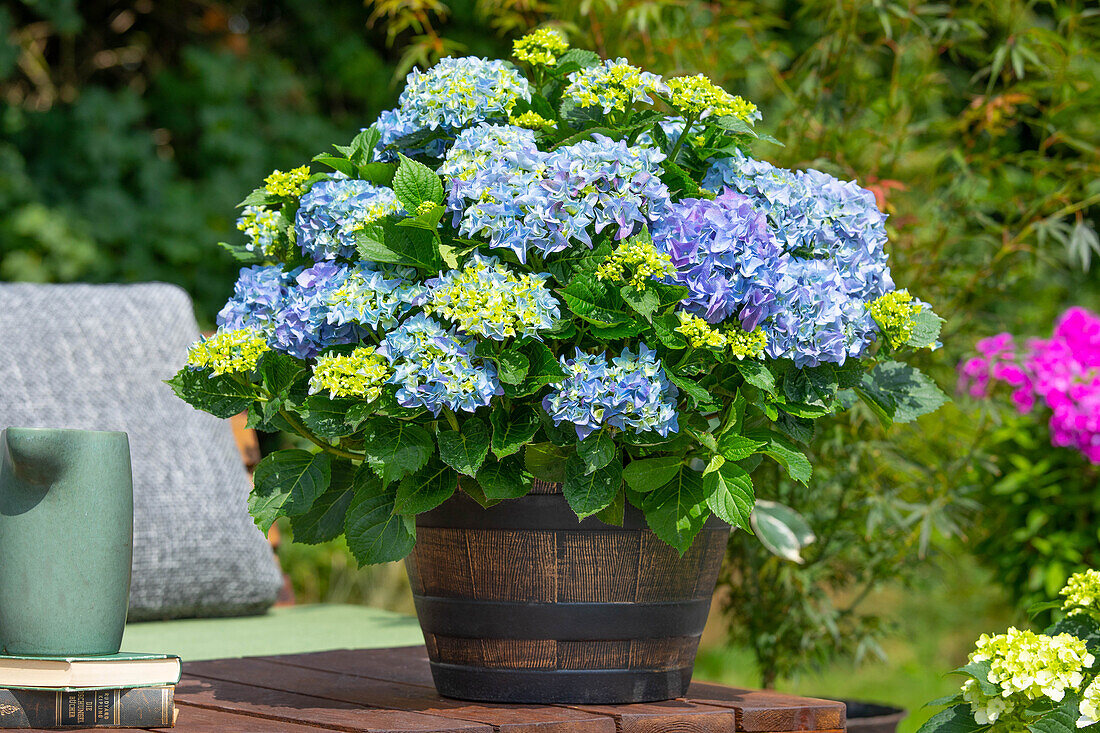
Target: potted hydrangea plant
{"x":540,"y":323}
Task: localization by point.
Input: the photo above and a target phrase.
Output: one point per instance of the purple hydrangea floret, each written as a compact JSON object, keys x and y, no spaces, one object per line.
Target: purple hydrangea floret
{"x":257,"y":298}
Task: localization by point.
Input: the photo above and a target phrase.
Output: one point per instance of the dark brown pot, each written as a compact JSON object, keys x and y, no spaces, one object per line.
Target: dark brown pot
{"x":868,"y":717}
{"x":521,"y":603}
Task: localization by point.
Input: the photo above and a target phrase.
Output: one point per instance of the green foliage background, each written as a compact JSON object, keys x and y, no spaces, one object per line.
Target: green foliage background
{"x":128,"y":130}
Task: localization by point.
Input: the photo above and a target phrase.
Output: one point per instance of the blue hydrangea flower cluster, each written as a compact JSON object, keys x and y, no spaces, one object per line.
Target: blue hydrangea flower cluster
{"x":487,"y":299}
{"x":331,"y":212}
{"x":374,"y":295}
{"x":477,"y":146}
{"x":433,"y":368}
{"x":257,"y":298}
{"x":263,"y":228}
{"x":302,"y":326}
{"x":453,"y":94}
{"x":726,"y":255}
{"x":522,"y":198}
{"x":632,"y":392}
{"x":833,"y":238}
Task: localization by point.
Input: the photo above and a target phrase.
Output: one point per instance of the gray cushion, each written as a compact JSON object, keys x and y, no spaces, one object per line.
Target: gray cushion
{"x":94,"y":357}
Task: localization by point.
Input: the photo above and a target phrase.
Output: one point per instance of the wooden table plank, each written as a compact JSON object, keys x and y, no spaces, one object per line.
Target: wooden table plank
{"x":774,"y":712}
{"x":407,"y":664}
{"x":358,"y":687}
{"x":201,"y":720}
{"x":232,"y":697}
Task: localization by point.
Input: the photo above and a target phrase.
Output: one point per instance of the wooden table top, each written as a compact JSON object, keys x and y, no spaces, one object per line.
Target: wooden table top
{"x":390,"y":690}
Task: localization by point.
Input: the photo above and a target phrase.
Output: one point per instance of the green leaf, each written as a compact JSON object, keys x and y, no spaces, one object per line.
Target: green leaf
{"x":465,"y":450}
{"x":426,"y":489}
{"x":287,"y":483}
{"x":374,"y":533}
{"x":926,"y":330}
{"x":512,"y":429}
{"x":336,"y":162}
{"x":387,"y":242}
{"x":648,"y":474}
{"x":278,"y":372}
{"x":380,"y":174}
{"x":503,"y":479}
{"x":615,"y":512}
{"x":414,"y":183}
{"x":730,"y":495}
{"x":596,"y":450}
{"x":221,"y":396}
{"x":644,"y":302}
{"x":757,"y":374}
{"x":736,"y":447}
{"x":955,"y":719}
{"x":698,"y":395}
{"x":980,"y":672}
{"x":396,"y":448}
{"x":363,"y":145}
{"x":473,"y":490}
{"x":595,"y":302}
{"x":900,"y":391}
{"x":785,"y":452}
{"x":735,"y":125}
{"x":1062,"y":719}
{"x":512,"y":366}
{"x":543,"y":369}
{"x":327,"y":417}
{"x":588,"y":493}
{"x":678,"y":510}
{"x":783,"y":531}
{"x":574,"y":59}
{"x":259,"y":197}
{"x":665,"y":327}
{"x":325,"y":519}
{"x":626,"y":330}
{"x":546,"y":461}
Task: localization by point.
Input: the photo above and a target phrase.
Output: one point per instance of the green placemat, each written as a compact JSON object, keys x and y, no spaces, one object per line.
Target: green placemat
{"x":288,"y":630}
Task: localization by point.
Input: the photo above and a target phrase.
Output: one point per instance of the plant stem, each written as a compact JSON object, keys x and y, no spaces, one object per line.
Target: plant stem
{"x":305,"y":433}
{"x":689,"y":120}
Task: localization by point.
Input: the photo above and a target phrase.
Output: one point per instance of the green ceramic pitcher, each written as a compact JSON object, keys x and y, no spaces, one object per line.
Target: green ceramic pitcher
{"x":66,"y":541}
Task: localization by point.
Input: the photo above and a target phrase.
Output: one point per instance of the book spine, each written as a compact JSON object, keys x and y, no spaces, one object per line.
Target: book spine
{"x":143,"y":707}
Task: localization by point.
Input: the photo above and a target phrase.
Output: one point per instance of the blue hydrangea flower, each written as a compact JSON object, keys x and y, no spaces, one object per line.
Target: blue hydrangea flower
{"x":833,"y":239}
{"x":331,"y":212}
{"x":304,"y":325}
{"x":455,"y":93}
{"x":374,"y":295}
{"x":257,"y":298}
{"x":523,"y":198}
{"x":726,"y":255}
{"x":433,"y":368}
{"x":476,"y":147}
{"x":487,"y":299}
{"x":263,"y":228}
{"x":631,"y":392}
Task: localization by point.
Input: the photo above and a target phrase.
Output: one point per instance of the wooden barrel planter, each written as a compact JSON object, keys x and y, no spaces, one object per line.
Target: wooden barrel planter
{"x":521,"y":603}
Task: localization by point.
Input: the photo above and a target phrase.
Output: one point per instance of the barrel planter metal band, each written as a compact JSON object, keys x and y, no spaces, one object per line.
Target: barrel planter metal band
{"x":523,"y":603}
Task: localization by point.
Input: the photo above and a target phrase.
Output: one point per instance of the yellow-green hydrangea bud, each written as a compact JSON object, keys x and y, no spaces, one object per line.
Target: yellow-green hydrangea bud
{"x":699,"y":333}
{"x":747,"y":344}
{"x":287,"y":183}
{"x":894,"y":313}
{"x":1090,"y":705}
{"x":699,"y":97}
{"x":358,"y":374}
{"x":229,"y":351}
{"x":532,"y":121}
{"x":1082,"y":593}
{"x":635,"y":261}
{"x":424,"y":207}
{"x":541,"y":47}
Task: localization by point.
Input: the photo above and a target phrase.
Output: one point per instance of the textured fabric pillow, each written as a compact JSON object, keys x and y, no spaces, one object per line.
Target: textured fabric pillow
{"x":94,"y":357}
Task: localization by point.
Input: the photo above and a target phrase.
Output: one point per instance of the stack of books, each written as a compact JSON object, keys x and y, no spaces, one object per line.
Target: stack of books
{"x":117,"y":691}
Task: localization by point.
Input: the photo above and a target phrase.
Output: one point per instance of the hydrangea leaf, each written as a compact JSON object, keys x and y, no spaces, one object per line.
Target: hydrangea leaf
{"x":287,"y":483}
{"x":980,"y":672}
{"x":644,"y":301}
{"x":375,"y":534}
{"x":626,"y":330}
{"x":699,"y":396}
{"x":222,"y":396}
{"x":594,"y":302}
{"x":414,"y":183}
{"x":730,"y":495}
{"x":426,"y":489}
{"x":648,"y":474}
{"x":512,"y":366}
{"x":474,"y":490}
{"x":278,"y":372}
{"x":387,"y":242}
{"x":757,"y":374}
{"x":543,"y":369}
{"x":615,"y":512}
{"x":677,"y":511}
{"x":325,"y":519}
{"x":665,"y":327}
{"x":955,"y":719}
{"x":588,"y":493}
{"x":900,"y":392}
{"x":380,"y":174}
{"x":465,"y":450}
{"x":596,"y":450}
{"x":574,"y":59}
{"x":797,"y":428}
{"x":1062,"y":719}
{"x":926,"y":330}
{"x":327,"y":417}
{"x":785,"y":452}
{"x":396,"y":448}
{"x":546,"y":461}
{"x":362,"y":145}
{"x":783,"y":531}
{"x":337,"y":163}
{"x":736,"y":447}
{"x":503,"y":479}
{"x":512,"y":429}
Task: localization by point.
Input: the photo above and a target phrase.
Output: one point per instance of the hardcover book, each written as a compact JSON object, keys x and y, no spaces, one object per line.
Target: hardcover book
{"x":114,"y":671}
{"x":143,"y":707}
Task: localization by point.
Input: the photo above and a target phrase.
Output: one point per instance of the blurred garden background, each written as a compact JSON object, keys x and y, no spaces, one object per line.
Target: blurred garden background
{"x":130,"y":128}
